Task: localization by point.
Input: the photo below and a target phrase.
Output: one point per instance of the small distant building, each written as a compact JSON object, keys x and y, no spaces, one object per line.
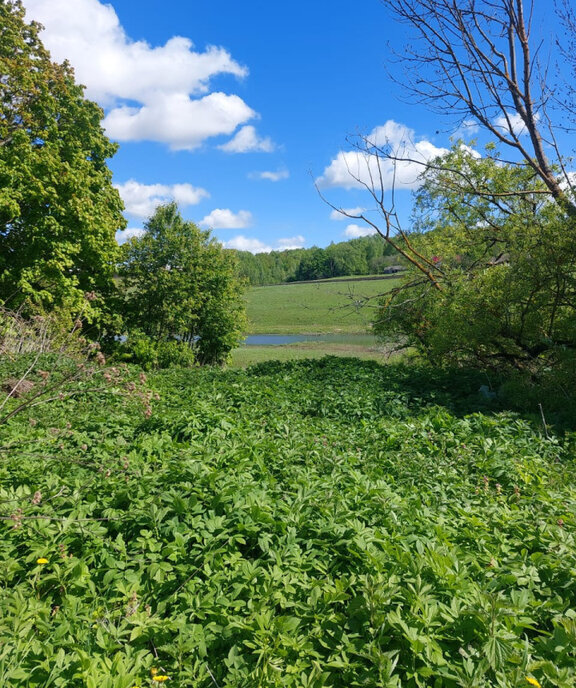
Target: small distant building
{"x":393,"y":269}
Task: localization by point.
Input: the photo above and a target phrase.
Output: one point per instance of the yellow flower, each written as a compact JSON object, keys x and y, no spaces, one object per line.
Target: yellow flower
{"x":533,"y":682}
{"x":153,"y":671}
{"x":41,"y":561}
{"x":158,"y":677}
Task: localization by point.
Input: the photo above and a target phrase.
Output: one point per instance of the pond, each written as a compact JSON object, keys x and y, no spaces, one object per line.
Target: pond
{"x":282,"y":339}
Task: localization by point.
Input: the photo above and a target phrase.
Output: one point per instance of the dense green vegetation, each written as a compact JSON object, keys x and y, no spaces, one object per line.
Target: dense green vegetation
{"x":58,"y":209}
{"x":180,"y":294}
{"x":498,"y":284}
{"x":314,"y":308}
{"x":331,"y":523}
{"x":364,"y":256}
{"x":308,"y":524}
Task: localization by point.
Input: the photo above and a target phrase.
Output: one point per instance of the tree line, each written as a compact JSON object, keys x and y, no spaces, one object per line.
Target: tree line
{"x":363,"y":256}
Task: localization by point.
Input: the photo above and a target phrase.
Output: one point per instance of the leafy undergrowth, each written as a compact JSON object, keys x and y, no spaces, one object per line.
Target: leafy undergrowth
{"x":320,"y":524}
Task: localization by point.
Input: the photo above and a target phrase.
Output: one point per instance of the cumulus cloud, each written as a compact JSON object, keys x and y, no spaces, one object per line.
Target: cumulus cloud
{"x":223,"y":218}
{"x":270,"y":175}
{"x":142,"y":200}
{"x":338,"y":216}
{"x":126,"y":234}
{"x":156,"y":93}
{"x":356,"y":231}
{"x":512,"y":123}
{"x":248,"y":141}
{"x":243,"y":243}
{"x":353,"y":169}
{"x":290,"y":243}
{"x":179,"y":121}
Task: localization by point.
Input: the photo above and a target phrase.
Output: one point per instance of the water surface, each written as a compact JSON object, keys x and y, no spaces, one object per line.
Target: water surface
{"x":282,"y":339}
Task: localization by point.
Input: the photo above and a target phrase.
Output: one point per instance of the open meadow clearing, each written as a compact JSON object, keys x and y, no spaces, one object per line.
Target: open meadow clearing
{"x":341,"y":310}
{"x":328,"y":306}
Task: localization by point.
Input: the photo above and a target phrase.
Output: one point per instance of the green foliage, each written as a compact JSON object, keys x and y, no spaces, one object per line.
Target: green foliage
{"x":330,"y":523}
{"x":178,"y":282}
{"x":503,"y":261}
{"x":152,"y":354}
{"x":58,"y":209}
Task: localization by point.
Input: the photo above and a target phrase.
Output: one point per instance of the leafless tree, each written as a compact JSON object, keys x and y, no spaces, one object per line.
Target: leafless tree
{"x":478,"y":60}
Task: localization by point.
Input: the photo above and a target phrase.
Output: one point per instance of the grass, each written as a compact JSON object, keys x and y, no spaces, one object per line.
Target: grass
{"x":316,"y":308}
{"x":249,"y":355}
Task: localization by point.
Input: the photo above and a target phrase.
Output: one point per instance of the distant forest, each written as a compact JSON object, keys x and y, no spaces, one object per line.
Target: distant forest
{"x":364,"y":256}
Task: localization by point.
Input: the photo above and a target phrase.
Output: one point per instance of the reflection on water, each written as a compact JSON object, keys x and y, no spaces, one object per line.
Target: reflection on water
{"x":281,"y":339}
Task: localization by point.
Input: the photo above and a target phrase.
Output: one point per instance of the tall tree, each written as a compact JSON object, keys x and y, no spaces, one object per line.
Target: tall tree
{"x":179,"y":282}
{"x":476,"y":62}
{"x":58,"y":209}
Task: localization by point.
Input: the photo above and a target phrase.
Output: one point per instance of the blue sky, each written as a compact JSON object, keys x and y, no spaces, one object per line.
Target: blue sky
{"x":234,"y":109}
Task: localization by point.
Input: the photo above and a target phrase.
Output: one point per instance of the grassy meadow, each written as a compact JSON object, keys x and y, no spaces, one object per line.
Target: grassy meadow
{"x":315,"y":308}
{"x":304,"y":524}
{"x":333,"y":307}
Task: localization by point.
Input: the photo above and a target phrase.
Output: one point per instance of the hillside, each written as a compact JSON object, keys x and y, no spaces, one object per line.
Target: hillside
{"x":317,"y":307}
{"x":362,"y":256}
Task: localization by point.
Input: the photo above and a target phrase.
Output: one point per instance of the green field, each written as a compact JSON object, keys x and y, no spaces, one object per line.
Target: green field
{"x":356,"y":346}
{"x":314,"y":308}
{"x":327,"y":307}
{"x":309,"y":524}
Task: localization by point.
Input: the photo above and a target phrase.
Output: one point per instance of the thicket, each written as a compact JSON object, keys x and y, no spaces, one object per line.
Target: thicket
{"x":330,"y":523}
{"x":503,"y":268}
{"x":491,"y":251}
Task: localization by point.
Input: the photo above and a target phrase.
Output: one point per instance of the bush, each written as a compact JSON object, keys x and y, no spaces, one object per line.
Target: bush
{"x":155,"y":355}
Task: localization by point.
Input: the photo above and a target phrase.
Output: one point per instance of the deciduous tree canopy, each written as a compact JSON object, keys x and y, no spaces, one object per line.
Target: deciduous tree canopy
{"x":178,"y":282}
{"x":58,"y":209}
{"x":504,"y":264}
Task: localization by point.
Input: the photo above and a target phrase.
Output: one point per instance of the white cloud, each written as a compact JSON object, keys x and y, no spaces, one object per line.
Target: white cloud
{"x":472,"y":152}
{"x":513,"y":123}
{"x":356,"y":231}
{"x":270,"y":176}
{"x":290,"y":243}
{"x":243,"y":243}
{"x":337,"y":215}
{"x":124,"y":235}
{"x":353,"y":169}
{"x":222,"y":218}
{"x":142,"y":200}
{"x":177,"y":120}
{"x":155,"y":93}
{"x":248,"y":141}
